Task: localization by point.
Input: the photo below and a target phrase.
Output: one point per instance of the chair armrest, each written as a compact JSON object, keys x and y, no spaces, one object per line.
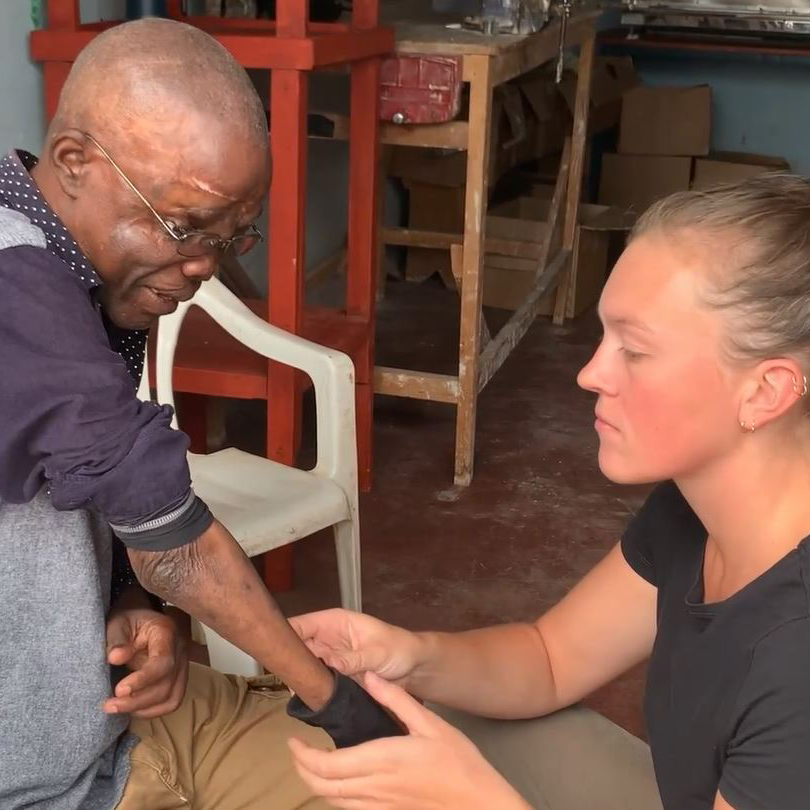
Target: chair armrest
{"x":331,"y":371}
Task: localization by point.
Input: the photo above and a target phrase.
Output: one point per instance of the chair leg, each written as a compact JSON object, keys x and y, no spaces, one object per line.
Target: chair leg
{"x":347,"y":544}
{"x":225,"y":657}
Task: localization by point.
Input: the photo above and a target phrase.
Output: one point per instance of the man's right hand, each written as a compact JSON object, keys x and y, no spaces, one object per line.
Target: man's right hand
{"x":353,"y":643}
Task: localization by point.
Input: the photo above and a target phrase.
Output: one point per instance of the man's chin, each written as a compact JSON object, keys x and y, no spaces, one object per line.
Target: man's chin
{"x":133,"y":321}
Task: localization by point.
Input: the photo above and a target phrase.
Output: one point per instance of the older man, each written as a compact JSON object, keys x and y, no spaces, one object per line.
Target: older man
{"x":155,"y":164}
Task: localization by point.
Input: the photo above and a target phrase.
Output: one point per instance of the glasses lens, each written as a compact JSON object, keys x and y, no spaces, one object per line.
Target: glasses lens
{"x":198,"y":245}
{"x":242,"y":244}
{"x":202,"y":244}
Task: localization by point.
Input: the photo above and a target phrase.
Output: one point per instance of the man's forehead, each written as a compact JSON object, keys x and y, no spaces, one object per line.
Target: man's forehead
{"x":199,"y":184}
{"x":189,"y":138}
{"x":186,"y":198}
{"x":203,"y":187}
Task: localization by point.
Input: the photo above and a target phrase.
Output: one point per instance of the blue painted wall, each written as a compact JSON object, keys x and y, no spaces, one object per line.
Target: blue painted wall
{"x":21,"y":121}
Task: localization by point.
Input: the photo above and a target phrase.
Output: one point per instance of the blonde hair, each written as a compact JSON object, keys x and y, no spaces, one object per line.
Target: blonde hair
{"x":761,"y":279}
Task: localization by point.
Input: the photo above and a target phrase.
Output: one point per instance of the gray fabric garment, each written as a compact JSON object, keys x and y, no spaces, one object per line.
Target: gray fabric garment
{"x":58,"y":750}
{"x":16,"y":229}
{"x":574,"y":759}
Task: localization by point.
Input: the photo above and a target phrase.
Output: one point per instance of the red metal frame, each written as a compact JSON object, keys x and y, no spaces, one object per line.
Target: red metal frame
{"x":207,"y":361}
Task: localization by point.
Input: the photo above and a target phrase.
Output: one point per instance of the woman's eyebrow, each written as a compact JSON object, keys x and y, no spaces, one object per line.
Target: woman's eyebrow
{"x":626,"y":322}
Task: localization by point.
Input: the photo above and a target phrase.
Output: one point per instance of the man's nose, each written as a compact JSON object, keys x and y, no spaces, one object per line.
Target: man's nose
{"x":200,"y":268}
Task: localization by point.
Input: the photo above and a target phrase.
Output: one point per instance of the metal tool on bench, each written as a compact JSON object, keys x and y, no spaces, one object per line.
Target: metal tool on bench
{"x":524,"y":17}
{"x":514,"y":16}
{"x":565,"y":13}
{"x":753,"y":17}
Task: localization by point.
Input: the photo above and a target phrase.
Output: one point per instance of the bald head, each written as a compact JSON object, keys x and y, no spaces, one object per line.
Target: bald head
{"x":158,"y":132}
{"x":141,"y":77}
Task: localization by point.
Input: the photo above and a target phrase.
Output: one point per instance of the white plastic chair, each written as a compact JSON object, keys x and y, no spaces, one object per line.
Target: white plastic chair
{"x":262,"y":503}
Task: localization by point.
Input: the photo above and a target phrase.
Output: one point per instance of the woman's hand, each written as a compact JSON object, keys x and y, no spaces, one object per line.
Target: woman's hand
{"x":353,"y":643}
{"x":148,"y":644}
{"x":435,"y":766}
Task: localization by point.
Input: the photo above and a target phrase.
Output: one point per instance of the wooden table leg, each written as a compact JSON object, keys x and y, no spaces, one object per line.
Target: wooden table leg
{"x":478,"y":70}
{"x":579,"y":140}
{"x":383,"y":165}
{"x":456,"y":264}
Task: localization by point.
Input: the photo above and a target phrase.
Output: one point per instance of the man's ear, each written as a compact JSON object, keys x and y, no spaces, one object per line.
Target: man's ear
{"x":70,"y":159}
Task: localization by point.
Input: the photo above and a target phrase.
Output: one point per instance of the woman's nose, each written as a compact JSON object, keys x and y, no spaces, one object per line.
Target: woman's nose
{"x":593,"y":376}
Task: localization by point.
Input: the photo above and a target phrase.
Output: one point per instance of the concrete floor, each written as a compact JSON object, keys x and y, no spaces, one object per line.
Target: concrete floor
{"x":538,"y":515}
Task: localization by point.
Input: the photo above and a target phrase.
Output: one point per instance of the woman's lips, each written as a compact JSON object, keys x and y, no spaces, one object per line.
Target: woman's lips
{"x":601,"y":424}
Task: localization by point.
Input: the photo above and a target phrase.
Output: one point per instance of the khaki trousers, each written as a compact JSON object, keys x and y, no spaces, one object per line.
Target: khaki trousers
{"x":225,"y":748}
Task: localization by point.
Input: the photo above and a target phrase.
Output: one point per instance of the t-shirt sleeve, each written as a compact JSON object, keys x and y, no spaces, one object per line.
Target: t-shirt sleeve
{"x":648,"y":531}
{"x":767,"y":764}
{"x":69,"y":417}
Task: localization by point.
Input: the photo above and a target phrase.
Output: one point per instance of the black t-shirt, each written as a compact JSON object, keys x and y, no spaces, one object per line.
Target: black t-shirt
{"x":727,"y":703}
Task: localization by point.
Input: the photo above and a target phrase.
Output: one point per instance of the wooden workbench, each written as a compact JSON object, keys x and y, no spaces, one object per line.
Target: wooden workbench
{"x":486,"y":63}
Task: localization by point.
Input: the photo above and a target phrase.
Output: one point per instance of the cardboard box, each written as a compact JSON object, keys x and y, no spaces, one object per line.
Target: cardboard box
{"x":612,"y":77}
{"x":730,"y":167}
{"x":433,"y":208}
{"x":435,"y":167}
{"x":666,"y":121}
{"x":634,"y":182}
{"x":508,"y":280}
{"x":594,"y":217}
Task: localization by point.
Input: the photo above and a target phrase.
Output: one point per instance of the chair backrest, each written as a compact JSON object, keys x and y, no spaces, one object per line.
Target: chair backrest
{"x":331,"y":371}
{"x":165,"y":394}
{"x":144,"y":392}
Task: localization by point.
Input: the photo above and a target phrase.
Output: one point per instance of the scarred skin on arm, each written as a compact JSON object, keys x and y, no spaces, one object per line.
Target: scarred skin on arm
{"x":212,"y":580}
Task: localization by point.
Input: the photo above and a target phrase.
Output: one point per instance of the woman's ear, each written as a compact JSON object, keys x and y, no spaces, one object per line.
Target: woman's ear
{"x":775,"y":387}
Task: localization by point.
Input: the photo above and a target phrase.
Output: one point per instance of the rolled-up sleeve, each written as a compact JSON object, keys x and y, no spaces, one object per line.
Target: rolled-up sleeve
{"x":69,"y":417}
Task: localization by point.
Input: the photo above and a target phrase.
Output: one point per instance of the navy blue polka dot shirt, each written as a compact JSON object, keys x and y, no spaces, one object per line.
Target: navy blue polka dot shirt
{"x":69,"y":418}
{"x":19,"y":192}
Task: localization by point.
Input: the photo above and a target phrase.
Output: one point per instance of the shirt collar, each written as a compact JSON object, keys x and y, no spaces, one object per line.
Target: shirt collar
{"x":19,"y":192}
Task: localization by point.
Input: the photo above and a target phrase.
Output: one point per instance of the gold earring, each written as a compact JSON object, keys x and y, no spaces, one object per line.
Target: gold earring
{"x":799,"y":392}
{"x":749,"y":429}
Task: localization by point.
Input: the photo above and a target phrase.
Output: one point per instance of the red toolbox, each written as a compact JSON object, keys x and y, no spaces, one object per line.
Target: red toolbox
{"x":420,"y":89}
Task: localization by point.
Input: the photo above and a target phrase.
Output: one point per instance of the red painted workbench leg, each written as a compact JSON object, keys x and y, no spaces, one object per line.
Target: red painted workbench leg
{"x":365,"y":13}
{"x":62,"y":13}
{"x":361,"y":275}
{"x":363,"y":254}
{"x":54,"y":75}
{"x":192,"y":416}
{"x":288,"y":118}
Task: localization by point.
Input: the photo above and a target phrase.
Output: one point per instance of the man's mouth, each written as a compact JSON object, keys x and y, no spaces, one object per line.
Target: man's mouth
{"x":164,"y":302}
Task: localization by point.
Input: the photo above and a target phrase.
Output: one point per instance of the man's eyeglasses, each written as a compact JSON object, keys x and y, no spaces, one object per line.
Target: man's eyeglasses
{"x":190,"y":243}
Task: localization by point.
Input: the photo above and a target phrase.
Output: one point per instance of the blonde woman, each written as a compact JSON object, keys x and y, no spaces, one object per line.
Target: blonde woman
{"x":700,"y":383}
